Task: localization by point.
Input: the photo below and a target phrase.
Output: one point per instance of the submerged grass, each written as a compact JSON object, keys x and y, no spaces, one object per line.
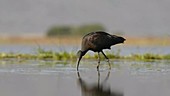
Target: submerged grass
{"x":42,"y":54}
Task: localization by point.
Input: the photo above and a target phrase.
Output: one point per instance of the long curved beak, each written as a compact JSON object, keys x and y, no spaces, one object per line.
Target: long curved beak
{"x":78,"y":62}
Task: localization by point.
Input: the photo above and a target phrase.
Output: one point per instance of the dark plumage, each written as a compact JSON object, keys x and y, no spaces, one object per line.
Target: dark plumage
{"x":97,"y":41}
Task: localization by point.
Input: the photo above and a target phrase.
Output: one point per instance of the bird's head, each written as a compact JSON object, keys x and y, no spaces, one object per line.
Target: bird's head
{"x":79,"y":55}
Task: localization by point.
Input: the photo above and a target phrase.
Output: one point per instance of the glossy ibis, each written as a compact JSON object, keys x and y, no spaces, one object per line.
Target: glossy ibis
{"x":97,"y":41}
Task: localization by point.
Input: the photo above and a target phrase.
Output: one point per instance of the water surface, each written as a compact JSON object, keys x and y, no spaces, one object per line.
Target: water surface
{"x":54,"y":78}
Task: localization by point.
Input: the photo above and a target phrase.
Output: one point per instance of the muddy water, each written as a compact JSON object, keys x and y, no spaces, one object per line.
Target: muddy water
{"x":126,"y":78}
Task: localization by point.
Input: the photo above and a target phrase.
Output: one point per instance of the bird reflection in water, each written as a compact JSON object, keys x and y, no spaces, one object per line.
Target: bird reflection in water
{"x":96,"y":89}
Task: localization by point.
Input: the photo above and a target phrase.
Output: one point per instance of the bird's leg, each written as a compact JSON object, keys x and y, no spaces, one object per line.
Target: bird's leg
{"x":98,"y":61}
{"x":107,"y":59}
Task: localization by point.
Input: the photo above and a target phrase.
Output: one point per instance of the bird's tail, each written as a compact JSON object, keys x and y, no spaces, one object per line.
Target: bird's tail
{"x":121,"y":39}
{"x":118,"y":39}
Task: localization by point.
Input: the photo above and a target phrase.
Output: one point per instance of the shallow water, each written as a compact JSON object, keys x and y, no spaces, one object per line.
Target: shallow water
{"x":60,"y":78}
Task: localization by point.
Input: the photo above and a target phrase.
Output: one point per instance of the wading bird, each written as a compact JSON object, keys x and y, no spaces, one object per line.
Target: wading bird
{"x":97,"y":41}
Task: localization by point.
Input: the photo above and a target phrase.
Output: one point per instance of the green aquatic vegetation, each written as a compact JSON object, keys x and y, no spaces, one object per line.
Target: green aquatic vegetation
{"x":152,"y":56}
{"x":16,"y":56}
{"x":166,"y":56}
{"x":147,"y":57}
{"x":42,"y":54}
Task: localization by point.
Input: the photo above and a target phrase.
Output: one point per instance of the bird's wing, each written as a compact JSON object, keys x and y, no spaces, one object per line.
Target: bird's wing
{"x":100,"y":41}
{"x":87,"y":43}
{"x":97,"y":41}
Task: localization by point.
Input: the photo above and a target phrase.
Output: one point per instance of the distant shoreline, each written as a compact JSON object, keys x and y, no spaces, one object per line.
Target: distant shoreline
{"x":76,"y":40}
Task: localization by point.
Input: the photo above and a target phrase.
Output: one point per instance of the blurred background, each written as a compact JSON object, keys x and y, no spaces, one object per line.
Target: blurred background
{"x":141,"y":22}
{"x":39,"y":40}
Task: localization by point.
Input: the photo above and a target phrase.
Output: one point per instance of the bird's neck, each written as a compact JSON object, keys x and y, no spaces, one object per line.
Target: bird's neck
{"x":84,"y":52}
